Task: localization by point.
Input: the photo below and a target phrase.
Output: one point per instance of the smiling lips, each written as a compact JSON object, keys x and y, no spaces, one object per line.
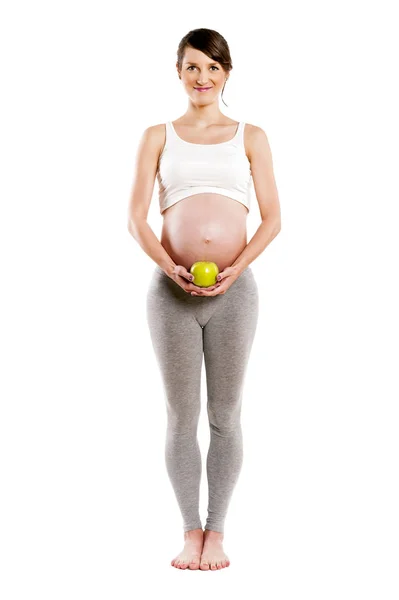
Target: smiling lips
{"x":202,"y":89}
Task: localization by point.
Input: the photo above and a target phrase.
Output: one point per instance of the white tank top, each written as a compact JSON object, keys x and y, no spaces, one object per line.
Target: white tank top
{"x":185,"y":169}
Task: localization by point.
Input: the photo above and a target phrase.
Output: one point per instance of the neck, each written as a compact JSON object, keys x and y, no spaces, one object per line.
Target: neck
{"x":203,"y":115}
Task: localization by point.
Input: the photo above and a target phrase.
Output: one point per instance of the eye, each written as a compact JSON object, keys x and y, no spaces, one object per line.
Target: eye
{"x":193,"y":67}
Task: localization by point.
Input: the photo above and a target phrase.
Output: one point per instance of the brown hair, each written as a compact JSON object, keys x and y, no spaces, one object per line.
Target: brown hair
{"x":211,"y":43}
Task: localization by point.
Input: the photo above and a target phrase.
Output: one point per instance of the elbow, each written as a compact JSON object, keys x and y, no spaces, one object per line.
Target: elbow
{"x":131,"y":227}
{"x":134,"y":224}
{"x":275,"y":220}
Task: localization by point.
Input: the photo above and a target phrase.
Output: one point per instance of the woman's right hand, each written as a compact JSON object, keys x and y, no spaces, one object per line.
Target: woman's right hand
{"x":182,"y":277}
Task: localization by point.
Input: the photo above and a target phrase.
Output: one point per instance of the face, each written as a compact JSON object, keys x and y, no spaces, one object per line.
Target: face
{"x":200,"y":71}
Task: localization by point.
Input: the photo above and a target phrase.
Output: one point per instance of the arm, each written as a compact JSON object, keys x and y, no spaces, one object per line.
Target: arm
{"x":260,"y":157}
{"x":149,"y":242}
{"x":140,"y":199}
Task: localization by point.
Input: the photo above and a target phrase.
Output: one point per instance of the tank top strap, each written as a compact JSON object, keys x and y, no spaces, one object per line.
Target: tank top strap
{"x":240,"y":133}
{"x":171,"y":135}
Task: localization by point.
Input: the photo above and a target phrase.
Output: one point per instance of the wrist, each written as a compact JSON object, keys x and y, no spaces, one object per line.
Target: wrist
{"x":169,"y":270}
{"x":238,"y":268}
{"x":167,"y":267}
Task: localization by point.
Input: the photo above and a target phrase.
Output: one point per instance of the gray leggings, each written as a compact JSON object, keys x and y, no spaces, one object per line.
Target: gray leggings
{"x":182,"y":329}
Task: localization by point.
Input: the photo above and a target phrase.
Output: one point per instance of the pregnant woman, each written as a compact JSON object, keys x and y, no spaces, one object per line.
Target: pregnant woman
{"x":205,"y":164}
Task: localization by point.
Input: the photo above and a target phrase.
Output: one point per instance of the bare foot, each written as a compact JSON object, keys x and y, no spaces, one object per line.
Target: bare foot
{"x":213,"y":556}
{"x":191,"y":553}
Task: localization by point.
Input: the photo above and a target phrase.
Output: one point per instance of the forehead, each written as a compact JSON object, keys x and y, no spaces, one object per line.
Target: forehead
{"x":196,"y":57}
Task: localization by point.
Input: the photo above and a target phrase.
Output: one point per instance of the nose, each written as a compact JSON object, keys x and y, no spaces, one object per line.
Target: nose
{"x":201,"y":82}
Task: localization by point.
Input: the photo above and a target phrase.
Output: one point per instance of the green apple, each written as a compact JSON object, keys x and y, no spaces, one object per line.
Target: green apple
{"x":205,"y":273}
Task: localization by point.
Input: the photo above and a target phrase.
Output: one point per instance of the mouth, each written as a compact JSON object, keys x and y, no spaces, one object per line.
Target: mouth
{"x":202,"y":89}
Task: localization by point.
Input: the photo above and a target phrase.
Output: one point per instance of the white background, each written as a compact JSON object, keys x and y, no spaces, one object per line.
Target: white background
{"x":86,"y":507}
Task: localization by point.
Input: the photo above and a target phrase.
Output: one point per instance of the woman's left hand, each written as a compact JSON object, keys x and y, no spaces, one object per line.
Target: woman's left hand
{"x":224,"y":281}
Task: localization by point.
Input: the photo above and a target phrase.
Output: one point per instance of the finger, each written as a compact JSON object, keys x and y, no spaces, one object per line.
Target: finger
{"x":187,"y":277}
{"x":206,"y":293}
{"x":182,"y":271}
{"x":199,"y":290}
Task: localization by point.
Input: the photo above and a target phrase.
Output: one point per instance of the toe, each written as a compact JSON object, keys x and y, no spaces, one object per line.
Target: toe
{"x":219,"y":565}
{"x":194,"y":563}
{"x":204,"y":565}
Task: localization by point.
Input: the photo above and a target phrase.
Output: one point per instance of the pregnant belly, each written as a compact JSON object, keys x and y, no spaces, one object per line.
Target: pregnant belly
{"x":208,"y":227}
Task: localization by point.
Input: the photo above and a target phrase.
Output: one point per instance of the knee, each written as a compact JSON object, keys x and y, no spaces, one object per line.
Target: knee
{"x":225,"y":430}
{"x":183,"y":421}
{"x":224,"y":423}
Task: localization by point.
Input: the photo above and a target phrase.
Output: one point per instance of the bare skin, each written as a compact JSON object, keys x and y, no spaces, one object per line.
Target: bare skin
{"x":202,"y":550}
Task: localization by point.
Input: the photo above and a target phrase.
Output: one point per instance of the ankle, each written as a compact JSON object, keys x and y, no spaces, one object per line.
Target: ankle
{"x":193,"y":534}
{"x":216,"y":535}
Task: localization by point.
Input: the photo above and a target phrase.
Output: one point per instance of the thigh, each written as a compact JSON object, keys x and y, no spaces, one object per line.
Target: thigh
{"x":228,"y":339}
{"x":176,"y":337}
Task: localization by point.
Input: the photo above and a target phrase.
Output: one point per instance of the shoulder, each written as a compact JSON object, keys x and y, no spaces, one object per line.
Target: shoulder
{"x":154,"y":137}
{"x":255,"y":139}
{"x":154,"y":132}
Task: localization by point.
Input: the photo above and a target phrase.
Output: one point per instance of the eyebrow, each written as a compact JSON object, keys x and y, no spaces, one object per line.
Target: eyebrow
{"x":192,"y":63}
